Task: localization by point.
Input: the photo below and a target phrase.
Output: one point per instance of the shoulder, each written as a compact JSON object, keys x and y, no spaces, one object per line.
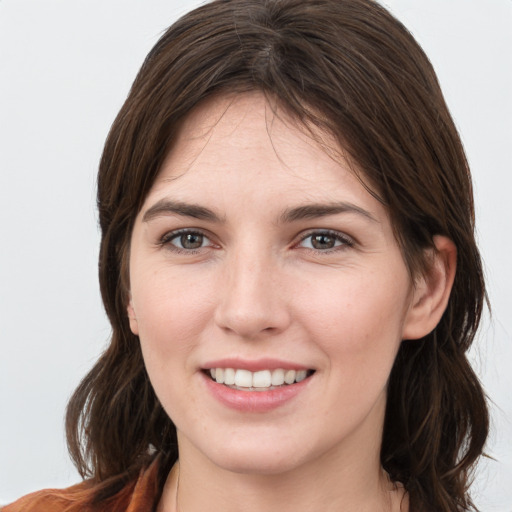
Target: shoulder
{"x":53,"y":500}
{"x":137,"y":495}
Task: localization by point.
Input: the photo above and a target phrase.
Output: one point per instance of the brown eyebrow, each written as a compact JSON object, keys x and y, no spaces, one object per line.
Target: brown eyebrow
{"x":312,"y":211}
{"x":168,"y":207}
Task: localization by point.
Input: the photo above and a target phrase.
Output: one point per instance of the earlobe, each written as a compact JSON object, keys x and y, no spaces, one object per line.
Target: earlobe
{"x":134,"y":326}
{"x":432,"y":291}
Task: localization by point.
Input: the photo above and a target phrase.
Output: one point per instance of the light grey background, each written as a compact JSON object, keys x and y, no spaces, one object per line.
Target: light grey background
{"x":65,"y":69}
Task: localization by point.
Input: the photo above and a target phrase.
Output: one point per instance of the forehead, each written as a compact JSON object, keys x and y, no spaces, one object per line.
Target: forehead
{"x":247,"y":122}
{"x":244,"y":138}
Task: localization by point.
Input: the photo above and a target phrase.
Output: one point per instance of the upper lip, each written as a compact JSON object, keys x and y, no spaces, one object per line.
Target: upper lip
{"x":254,"y":365}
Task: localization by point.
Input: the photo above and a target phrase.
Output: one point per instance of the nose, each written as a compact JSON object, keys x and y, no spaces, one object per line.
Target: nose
{"x":252,"y":299}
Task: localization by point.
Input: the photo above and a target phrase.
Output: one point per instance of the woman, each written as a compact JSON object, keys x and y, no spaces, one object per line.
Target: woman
{"x":289,"y":267}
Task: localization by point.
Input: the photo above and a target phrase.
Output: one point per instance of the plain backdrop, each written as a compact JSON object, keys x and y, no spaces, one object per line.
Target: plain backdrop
{"x":65,"y":69}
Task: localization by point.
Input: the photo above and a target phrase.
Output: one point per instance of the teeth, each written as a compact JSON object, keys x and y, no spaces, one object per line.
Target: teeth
{"x":229,"y":376}
{"x":243,"y":378}
{"x":278,"y":377}
{"x":260,"y":380}
{"x":301,"y":375}
{"x":289,"y":376}
{"x":219,"y":375}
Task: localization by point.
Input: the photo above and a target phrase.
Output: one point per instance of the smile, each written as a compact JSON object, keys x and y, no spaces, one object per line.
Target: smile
{"x":263,"y":380}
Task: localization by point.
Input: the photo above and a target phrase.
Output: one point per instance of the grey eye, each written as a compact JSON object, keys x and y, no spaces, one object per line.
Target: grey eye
{"x":189,"y":241}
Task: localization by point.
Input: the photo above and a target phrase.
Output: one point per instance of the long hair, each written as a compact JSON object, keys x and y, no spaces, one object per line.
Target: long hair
{"x":350,"y":68}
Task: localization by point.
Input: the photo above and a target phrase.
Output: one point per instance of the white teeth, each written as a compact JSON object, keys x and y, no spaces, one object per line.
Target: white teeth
{"x":243,"y":378}
{"x":258,"y":380}
{"x":278,"y":377}
{"x":219,"y":375}
{"x":262,"y":379}
{"x":229,"y":376}
{"x":289,"y":376}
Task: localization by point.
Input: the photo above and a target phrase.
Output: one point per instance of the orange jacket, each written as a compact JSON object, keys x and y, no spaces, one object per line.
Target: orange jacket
{"x":140,"y":495}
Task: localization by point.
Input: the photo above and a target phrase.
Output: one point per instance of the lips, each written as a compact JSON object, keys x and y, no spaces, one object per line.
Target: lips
{"x":256,"y":386}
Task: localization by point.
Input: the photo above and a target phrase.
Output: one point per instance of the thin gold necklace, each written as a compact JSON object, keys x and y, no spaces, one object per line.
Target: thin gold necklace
{"x":388,"y":479}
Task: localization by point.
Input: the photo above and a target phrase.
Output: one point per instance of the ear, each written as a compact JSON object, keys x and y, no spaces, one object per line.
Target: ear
{"x":134,"y":326}
{"x":432,"y":290}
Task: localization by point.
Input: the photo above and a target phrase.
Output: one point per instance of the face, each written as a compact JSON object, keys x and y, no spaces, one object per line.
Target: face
{"x":259,"y":259}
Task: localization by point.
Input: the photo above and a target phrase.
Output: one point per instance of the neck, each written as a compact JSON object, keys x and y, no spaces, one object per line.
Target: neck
{"x":356,"y":483}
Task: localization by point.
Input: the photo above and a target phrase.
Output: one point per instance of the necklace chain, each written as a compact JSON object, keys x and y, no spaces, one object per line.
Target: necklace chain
{"x":386,"y":474}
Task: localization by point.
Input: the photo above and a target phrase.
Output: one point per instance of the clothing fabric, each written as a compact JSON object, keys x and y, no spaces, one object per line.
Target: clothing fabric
{"x":139,"y":495}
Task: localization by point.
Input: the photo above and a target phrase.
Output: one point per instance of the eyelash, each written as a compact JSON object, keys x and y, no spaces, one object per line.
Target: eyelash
{"x":344,"y":241}
{"x":167,"y":239}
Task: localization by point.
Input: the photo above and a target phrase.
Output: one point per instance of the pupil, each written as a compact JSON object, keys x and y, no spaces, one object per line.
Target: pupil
{"x":191,"y":241}
{"x":323,"y":242}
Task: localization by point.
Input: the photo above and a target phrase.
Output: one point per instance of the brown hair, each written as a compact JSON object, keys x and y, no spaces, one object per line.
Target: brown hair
{"x":348,"y":67}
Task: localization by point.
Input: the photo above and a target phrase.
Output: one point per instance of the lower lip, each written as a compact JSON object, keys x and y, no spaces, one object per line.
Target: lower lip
{"x":255,"y":401}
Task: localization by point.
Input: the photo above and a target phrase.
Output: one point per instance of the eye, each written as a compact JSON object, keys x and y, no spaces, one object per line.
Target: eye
{"x":186,"y":240}
{"x":325,"y":241}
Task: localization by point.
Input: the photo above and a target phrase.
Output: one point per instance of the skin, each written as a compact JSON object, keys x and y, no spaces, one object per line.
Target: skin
{"x":260,"y":285}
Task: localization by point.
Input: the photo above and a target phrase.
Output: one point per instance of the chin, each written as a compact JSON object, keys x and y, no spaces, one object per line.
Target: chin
{"x":260,"y":463}
{"x":260,"y":457}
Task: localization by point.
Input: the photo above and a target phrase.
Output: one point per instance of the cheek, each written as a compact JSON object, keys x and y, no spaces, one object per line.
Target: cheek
{"x":358,"y":320}
{"x":172,"y":317}
{"x":171,"y":312}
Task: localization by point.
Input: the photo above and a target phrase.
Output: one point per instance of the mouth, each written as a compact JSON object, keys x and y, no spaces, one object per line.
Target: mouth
{"x":263,"y":380}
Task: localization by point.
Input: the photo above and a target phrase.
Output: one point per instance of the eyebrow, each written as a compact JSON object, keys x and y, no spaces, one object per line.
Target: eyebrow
{"x":168,"y":207}
{"x":312,"y":211}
